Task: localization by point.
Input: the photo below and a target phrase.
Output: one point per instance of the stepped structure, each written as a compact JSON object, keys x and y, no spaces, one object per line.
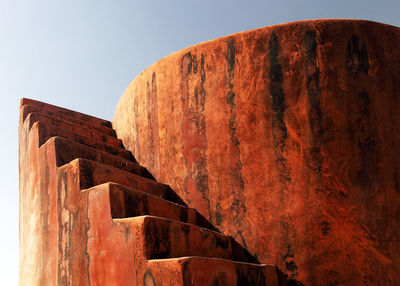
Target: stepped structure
{"x":90,"y":215}
{"x":268,"y":157}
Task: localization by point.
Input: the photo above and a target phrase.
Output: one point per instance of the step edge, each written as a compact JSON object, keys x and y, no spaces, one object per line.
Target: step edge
{"x":27,"y":101}
{"x":148,"y":194}
{"x":103,"y":185}
{"x":84,"y":123}
{"x":31,"y":114}
{"x":131,"y":174}
{"x":166,"y":189}
{"x":111,"y":184}
{"x":187,"y":258}
{"x":151,"y":217}
{"x":200,"y":220}
{"x":49,"y":126}
{"x":68,"y":141}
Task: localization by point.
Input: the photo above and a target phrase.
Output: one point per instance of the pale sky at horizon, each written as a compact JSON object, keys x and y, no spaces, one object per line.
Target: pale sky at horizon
{"x":83,"y":54}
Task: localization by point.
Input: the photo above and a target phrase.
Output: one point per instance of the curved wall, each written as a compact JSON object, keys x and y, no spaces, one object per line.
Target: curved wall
{"x":286,"y":138}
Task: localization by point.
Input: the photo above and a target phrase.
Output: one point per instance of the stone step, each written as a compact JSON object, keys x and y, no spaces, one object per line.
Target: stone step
{"x":47,"y":131}
{"x":26,"y":109}
{"x":165,"y":238}
{"x":205,"y":271}
{"x":91,"y":173}
{"x":67,"y":150}
{"x":128,"y":202}
{"x":90,"y":119}
{"x":104,"y":138}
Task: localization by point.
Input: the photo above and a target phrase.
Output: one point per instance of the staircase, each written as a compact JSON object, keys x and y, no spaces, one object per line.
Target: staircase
{"x":102,"y":219}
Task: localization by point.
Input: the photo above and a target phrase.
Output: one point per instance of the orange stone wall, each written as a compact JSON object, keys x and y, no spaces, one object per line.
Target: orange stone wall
{"x":286,"y":138}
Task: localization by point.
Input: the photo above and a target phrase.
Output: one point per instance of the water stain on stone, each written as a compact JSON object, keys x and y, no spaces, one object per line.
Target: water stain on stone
{"x":368,"y":144}
{"x":357,"y":57}
{"x":291,"y":266}
{"x":187,"y":276}
{"x":152,"y":114}
{"x":238,"y":206}
{"x":194,"y":63}
{"x":315,"y":114}
{"x":194,"y":127}
{"x":278,"y":106}
{"x":325,"y":227}
{"x":290,"y":263}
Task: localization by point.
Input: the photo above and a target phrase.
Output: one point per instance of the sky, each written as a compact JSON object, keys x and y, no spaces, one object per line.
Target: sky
{"x":83,"y":54}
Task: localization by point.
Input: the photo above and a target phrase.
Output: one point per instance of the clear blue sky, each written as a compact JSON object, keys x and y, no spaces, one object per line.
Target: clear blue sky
{"x":82,"y":55}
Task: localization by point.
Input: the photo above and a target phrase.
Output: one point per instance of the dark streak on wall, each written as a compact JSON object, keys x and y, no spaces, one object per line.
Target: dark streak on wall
{"x":238,"y":206}
{"x":194,"y":127}
{"x":86,"y":228}
{"x":45,"y":207}
{"x":136,"y":151}
{"x":152,"y":119}
{"x":314,"y":93}
{"x":279,"y":129}
{"x":63,"y":270}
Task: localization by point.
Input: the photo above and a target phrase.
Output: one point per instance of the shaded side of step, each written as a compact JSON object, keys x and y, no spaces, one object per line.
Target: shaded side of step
{"x":26,"y":109}
{"x":47,"y":131}
{"x":93,"y":120}
{"x":199,"y":271}
{"x":164,"y":238}
{"x":67,"y":150}
{"x":34,"y":117}
{"x":127,"y":202}
{"x":93,"y":173}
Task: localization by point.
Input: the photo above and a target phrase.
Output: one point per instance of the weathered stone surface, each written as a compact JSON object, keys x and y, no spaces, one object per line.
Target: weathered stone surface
{"x":286,"y":138}
{"x":90,"y":215}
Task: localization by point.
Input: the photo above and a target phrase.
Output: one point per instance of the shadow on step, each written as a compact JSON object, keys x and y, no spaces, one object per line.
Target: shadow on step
{"x":139,"y":206}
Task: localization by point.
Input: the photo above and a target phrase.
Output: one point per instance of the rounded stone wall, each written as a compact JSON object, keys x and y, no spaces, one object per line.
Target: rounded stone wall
{"x":286,"y":138}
